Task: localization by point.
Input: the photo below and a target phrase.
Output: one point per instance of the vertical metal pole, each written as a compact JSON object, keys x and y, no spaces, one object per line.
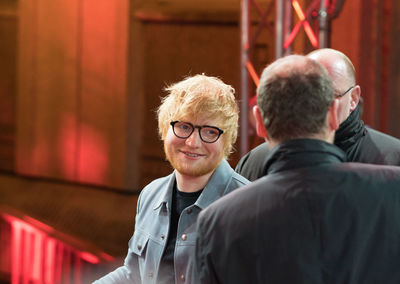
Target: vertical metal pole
{"x":287,"y":24}
{"x":323,"y":25}
{"x":279,"y":28}
{"x":244,"y":79}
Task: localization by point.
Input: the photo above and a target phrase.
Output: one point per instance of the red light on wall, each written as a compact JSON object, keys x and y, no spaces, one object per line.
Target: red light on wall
{"x":38,"y":258}
{"x":89,"y":257}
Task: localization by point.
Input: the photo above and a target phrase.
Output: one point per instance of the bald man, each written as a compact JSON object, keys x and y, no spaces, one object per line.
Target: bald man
{"x":313,"y":218}
{"x":360,"y":143}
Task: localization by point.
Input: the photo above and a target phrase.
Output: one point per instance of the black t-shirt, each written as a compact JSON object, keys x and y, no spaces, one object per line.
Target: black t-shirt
{"x":180,"y":201}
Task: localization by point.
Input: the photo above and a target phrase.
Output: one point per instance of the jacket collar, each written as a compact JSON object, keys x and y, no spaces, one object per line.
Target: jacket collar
{"x":300,"y":153}
{"x":349,"y":133}
{"x":166,"y":198}
{"x":216,"y":186}
{"x":214,"y":189}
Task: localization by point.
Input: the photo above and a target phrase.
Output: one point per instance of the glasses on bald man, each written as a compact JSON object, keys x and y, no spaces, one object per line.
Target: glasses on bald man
{"x":344,"y":93}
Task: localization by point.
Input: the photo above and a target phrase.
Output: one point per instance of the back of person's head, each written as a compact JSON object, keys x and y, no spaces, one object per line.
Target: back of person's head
{"x":201,"y":96}
{"x":294,"y":96}
{"x":330,"y":58}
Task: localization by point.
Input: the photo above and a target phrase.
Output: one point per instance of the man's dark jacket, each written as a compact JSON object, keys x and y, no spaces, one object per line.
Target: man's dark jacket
{"x":311,"y":219}
{"x":360,"y":143}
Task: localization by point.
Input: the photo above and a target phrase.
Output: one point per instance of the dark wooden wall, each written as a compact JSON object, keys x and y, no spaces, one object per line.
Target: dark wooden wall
{"x":72,"y":90}
{"x":80,"y":80}
{"x":8,"y":83}
{"x":368,"y":32}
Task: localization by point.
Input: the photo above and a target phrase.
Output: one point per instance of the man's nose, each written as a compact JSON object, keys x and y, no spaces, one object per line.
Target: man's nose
{"x":194,"y":139}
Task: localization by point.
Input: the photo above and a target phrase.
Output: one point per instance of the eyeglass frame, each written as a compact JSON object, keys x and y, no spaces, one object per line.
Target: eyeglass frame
{"x":344,"y":93}
{"x":220,"y":131}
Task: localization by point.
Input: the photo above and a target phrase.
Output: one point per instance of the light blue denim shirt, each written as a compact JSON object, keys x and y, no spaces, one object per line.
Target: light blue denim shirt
{"x":149,"y":239}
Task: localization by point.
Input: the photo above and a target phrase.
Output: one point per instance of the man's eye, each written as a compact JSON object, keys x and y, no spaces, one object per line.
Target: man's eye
{"x":210,"y":131}
{"x":185,"y":127}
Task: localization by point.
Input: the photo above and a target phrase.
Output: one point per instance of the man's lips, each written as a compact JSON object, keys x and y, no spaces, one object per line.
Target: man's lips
{"x":191,"y":154}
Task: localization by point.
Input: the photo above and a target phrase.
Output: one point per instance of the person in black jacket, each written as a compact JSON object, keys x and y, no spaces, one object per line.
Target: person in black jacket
{"x":359,"y":142}
{"x":312,"y":218}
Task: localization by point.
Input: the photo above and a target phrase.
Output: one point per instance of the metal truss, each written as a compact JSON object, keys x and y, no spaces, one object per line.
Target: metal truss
{"x":290,"y":18}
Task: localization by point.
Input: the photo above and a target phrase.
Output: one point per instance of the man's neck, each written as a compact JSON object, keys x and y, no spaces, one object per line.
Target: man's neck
{"x":188,"y":183}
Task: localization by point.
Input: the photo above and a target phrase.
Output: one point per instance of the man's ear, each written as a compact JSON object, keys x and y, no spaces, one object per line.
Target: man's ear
{"x":355,"y":97}
{"x":333,"y":120}
{"x":260,"y":127}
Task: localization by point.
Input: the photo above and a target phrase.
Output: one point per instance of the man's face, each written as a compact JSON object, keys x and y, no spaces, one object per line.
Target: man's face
{"x":343,"y":92}
{"x":339,"y":75}
{"x":192,"y":156}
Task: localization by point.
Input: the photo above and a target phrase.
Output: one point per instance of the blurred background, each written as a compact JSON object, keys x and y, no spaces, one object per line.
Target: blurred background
{"x":80,"y":81}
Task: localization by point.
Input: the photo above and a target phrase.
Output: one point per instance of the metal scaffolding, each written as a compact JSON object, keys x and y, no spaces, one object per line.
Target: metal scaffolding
{"x":290,"y":18}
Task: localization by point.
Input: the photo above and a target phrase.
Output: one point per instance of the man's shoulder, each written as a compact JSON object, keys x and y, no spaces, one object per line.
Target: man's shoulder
{"x":260,"y":150}
{"x":379,"y":148}
{"x":351,"y":177}
{"x":239,"y":179}
{"x":244,"y":198}
{"x":384,"y":138}
{"x":334,"y":177}
{"x":225,"y":174}
{"x":370,"y":171}
{"x":252,"y":164}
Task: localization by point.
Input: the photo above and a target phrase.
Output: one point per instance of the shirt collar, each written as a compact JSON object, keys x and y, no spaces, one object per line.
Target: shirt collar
{"x":214,"y":189}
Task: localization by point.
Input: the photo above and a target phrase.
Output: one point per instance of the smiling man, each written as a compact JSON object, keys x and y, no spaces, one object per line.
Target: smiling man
{"x":198,"y":123}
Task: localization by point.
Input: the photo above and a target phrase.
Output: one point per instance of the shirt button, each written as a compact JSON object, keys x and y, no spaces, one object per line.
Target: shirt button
{"x":150,"y":275}
{"x":162,"y":236}
{"x":184,"y":237}
{"x":189,"y":211}
{"x":183,"y":278}
{"x":139,"y":247}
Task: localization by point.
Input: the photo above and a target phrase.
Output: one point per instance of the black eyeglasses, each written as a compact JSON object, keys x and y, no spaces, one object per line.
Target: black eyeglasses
{"x":208,"y":134}
{"x":341,"y":95}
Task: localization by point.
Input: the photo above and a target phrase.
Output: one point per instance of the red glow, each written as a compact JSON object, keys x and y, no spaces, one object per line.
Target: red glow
{"x":49,"y":262}
{"x":303,"y":22}
{"x":16,"y":238}
{"x":310,"y":34}
{"x":68,"y":146}
{"x":84,"y":152}
{"x":37,"y":257}
{"x":78,"y":270}
{"x":37,"y":224}
{"x":106,"y":257}
{"x":298,"y":10}
{"x":253,"y":73}
{"x":89,"y":257}
{"x":292,"y":35}
{"x":27,"y":256}
{"x":93,"y":158}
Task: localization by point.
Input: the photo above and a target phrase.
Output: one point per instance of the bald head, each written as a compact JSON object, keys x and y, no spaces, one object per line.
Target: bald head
{"x":294,"y":95}
{"x":337,"y":63}
{"x":342,"y":74}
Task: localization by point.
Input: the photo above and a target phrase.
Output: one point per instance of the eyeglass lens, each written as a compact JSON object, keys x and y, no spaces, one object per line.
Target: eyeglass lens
{"x":208,"y":134}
